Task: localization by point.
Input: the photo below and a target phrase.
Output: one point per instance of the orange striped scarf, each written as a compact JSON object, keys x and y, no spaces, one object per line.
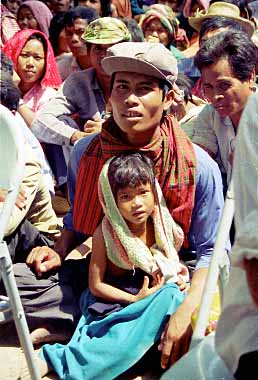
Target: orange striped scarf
{"x":174,"y":165}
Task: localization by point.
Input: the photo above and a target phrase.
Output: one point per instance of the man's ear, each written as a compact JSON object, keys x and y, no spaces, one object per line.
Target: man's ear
{"x":252,"y":79}
{"x":169,"y":99}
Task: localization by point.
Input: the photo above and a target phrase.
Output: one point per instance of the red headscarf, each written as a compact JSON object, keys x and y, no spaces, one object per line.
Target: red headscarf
{"x":14,"y":47}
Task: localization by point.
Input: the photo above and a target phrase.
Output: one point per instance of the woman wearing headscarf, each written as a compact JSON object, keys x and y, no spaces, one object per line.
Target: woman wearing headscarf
{"x":33,"y":14}
{"x":159,"y":24}
{"x":35,"y":64}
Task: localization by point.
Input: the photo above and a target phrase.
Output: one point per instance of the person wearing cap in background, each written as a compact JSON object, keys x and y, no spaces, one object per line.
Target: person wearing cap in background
{"x":220,"y":16}
{"x":224,"y":9}
{"x":84,"y":93}
{"x":142,"y":79}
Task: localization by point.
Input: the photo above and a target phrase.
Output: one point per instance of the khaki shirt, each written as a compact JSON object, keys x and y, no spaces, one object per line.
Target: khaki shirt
{"x":38,"y":208}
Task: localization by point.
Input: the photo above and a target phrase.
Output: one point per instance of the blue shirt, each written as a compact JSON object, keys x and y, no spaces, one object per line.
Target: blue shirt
{"x":207,"y":209}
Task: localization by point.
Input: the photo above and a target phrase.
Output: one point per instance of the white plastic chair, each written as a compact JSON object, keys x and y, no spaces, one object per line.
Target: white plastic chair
{"x":202,"y":361}
{"x":11,"y":173}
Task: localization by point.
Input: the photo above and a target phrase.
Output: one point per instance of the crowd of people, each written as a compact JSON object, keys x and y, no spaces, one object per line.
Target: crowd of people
{"x":130,"y":111}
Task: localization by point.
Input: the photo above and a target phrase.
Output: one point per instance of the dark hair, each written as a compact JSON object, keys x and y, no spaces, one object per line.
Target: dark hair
{"x":185,"y":84}
{"x":9,"y":93}
{"x":236,"y":47}
{"x":57,"y":24}
{"x":105,"y":6}
{"x":85,"y":13}
{"x":130,"y":170}
{"x":6,"y":64}
{"x":134,"y":29}
{"x":40,"y":38}
{"x":106,"y":10}
{"x":218,"y":22}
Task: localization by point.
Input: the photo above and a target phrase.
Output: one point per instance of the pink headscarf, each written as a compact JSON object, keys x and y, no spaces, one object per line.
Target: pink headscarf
{"x":188,"y":5}
{"x":41,"y":13}
{"x":14,"y":47}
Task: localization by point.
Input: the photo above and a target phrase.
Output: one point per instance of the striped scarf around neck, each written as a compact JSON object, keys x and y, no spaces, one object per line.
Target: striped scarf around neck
{"x":174,"y":166}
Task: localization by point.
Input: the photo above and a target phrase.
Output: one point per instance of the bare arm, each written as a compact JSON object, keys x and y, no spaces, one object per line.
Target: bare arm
{"x":27,"y":114}
{"x":98,"y":267}
{"x":177,"y":334}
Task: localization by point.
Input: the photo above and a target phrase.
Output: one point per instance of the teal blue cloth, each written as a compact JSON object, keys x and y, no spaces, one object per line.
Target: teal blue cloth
{"x":105,"y":348}
{"x":177,"y":53}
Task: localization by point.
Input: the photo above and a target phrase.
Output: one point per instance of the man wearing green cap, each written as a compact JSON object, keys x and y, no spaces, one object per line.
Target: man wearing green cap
{"x":83,"y":95}
{"x":142,"y":79}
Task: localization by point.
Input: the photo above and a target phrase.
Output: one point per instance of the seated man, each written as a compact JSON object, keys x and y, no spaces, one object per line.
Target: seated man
{"x":140,"y":96}
{"x":33,"y":221}
{"x":227,"y":63}
{"x":237,"y":331}
{"x":84,"y":94}
{"x":75,"y":22}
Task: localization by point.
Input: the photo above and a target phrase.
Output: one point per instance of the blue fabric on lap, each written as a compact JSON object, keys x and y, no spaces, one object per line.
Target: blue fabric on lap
{"x":111,"y":345}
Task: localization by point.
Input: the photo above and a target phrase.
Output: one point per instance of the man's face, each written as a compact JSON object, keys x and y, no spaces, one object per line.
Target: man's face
{"x":73,"y":37}
{"x":227,"y":94}
{"x":59,"y":5}
{"x":95,"y":4}
{"x":138,"y":106}
{"x":97,"y":53}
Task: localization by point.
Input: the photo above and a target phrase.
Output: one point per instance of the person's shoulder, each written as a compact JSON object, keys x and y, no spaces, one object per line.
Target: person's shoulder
{"x":207,"y":168}
{"x":252,"y":102}
{"x":98,"y":234}
{"x":81,"y":146}
{"x":64,"y":59}
{"x":83,"y":143}
{"x":84,"y":75}
{"x":80,"y":77}
{"x":203,"y":159}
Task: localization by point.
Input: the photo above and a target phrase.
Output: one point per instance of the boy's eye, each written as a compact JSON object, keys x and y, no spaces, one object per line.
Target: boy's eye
{"x":207,"y":86}
{"x":145,"y":88}
{"x":123,"y":197}
{"x":121,"y":86}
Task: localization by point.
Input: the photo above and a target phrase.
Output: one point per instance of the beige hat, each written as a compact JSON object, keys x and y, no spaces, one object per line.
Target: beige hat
{"x":222,"y":9}
{"x":148,"y":58}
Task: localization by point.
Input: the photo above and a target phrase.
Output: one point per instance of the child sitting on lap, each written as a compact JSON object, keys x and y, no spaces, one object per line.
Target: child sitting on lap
{"x":135,"y":279}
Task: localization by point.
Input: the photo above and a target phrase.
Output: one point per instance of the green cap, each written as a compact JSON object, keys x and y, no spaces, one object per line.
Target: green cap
{"x":106,"y":30}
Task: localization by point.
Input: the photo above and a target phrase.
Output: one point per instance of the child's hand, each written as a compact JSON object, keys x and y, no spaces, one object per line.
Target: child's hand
{"x":146,"y":291}
{"x":183,"y":286}
{"x":156,"y":277}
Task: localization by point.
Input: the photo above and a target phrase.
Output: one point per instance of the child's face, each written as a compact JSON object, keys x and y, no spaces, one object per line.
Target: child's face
{"x":136,"y":204}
